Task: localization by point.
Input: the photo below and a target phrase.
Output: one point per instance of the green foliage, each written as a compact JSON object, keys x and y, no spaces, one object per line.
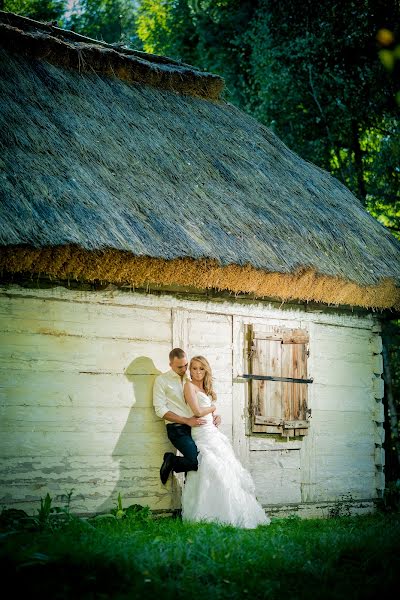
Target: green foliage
{"x":110,"y":20}
{"x":40,"y":10}
{"x":317,"y":80}
{"x":135,"y":512}
{"x":168,"y":558}
{"x":44,"y":511}
{"x":153,"y":25}
{"x":382,"y":172}
{"x":206,"y":33}
{"x":119,"y":511}
{"x":390,"y":55}
{"x":53,"y":517}
{"x":48,"y":517}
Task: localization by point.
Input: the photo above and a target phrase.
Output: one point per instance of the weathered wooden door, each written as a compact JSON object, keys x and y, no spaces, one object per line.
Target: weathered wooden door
{"x":209,"y":335}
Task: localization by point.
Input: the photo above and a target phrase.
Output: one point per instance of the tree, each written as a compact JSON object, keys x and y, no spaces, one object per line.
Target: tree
{"x":205,"y":33}
{"x":153,"y":26}
{"x":318,"y":81}
{"x":41,"y":10}
{"x":112,"y":21}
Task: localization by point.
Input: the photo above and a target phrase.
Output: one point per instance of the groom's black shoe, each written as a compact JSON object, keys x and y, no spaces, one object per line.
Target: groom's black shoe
{"x":166,"y":467}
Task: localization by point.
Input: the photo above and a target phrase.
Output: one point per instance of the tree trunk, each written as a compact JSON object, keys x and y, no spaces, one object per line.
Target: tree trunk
{"x":358,"y":164}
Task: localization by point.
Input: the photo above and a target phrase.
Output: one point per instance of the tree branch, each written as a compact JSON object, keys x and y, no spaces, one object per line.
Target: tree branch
{"x":314,"y":96}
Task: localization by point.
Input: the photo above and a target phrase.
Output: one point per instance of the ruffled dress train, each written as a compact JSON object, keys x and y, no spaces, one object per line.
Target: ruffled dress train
{"x":221,"y":490}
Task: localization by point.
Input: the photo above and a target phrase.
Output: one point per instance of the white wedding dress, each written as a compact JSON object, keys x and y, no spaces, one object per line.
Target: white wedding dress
{"x":221,"y":490}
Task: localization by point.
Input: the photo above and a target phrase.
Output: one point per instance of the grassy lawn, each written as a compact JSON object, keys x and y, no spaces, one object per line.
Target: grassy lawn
{"x":139,"y":556}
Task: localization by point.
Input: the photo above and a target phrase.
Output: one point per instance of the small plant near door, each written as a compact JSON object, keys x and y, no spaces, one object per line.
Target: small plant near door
{"x":135,"y":512}
{"x":48,"y":516}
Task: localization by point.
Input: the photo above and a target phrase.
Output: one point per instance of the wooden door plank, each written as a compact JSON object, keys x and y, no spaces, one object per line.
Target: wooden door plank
{"x":287,"y":368}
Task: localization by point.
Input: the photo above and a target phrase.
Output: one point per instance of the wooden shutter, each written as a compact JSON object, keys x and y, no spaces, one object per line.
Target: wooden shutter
{"x":279,"y":407}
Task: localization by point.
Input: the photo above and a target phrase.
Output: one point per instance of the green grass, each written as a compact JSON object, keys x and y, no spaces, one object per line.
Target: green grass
{"x":346,"y":557}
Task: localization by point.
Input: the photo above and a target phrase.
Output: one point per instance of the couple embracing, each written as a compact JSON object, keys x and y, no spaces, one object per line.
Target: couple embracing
{"x":217,"y":488}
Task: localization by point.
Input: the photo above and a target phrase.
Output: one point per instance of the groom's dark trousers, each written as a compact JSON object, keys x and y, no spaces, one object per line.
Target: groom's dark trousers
{"x":180,"y":436}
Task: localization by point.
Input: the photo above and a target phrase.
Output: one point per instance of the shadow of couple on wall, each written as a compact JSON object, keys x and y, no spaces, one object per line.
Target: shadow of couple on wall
{"x":139,"y":452}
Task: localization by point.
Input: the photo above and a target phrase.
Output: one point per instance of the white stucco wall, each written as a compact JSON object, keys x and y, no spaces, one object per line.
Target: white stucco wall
{"x":76,"y":374}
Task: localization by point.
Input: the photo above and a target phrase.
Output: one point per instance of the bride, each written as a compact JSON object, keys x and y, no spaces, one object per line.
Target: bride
{"x":221,"y":490}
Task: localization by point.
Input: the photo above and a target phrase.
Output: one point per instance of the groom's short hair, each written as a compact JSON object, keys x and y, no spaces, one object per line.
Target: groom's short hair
{"x":176,"y":353}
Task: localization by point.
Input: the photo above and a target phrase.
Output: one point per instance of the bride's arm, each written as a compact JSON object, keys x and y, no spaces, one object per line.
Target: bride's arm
{"x":191,"y":398}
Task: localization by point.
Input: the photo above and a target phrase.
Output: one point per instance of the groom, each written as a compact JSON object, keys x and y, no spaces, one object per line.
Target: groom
{"x":169,"y":404}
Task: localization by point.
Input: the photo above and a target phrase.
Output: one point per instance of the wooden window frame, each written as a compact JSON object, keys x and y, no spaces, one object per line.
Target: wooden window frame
{"x":279,"y":391}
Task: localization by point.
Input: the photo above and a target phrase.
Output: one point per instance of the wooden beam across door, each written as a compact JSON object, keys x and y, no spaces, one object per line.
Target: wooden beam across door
{"x":275,"y":378}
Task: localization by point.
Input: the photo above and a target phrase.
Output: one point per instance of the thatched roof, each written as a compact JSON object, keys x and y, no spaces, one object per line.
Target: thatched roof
{"x":126,"y":167}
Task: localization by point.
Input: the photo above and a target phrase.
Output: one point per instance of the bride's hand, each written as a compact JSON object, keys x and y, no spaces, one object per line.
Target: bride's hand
{"x":217,"y":420}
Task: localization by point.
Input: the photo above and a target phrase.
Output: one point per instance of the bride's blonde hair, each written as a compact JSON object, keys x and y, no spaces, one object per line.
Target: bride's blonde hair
{"x":207,"y":382}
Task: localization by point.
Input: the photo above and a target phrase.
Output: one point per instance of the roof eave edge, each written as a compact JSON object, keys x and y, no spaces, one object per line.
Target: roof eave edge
{"x":123,"y":268}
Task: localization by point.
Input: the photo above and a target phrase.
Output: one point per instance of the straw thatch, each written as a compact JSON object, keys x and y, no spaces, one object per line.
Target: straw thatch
{"x":73,"y":51}
{"x":135,"y":180}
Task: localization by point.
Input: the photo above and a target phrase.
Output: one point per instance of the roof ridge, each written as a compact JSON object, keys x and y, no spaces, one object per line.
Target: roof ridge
{"x":15,"y":20}
{"x":70,"y":49}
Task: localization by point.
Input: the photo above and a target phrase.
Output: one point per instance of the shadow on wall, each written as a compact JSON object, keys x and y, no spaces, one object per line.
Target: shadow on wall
{"x":140,"y":448}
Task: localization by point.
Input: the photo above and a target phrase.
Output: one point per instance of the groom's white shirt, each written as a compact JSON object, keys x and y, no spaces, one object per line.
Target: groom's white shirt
{"x":168,"y":395}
